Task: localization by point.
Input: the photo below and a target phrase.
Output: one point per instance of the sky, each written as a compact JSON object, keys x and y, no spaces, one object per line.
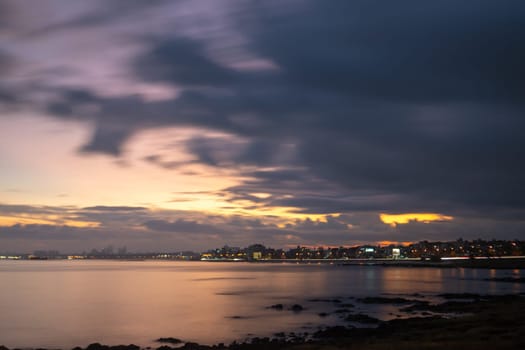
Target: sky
{"x":188,"y":125}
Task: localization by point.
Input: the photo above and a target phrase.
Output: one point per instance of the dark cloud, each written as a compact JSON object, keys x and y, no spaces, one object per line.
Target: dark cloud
{"x":104,"y":208}
{"x":7,"y":95}
{"x":331,"y":223}
{"x":49,"y":232}
{"x":159,"y":230}
{"x":407,"y":50}
{"x":228,"y":152}
{"x":106,"y":140}
{"x":398,"y":107}
{"x":184,"y":62}
{"x":395,"y":98}
{"x":181,"y":226}
{"x":166,"y":164}
{"x":31,"y":209}
{"x":5,"y":62}
{"x":5,"y":13}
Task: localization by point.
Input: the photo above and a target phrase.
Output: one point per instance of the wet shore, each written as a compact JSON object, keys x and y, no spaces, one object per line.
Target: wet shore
{"x":466,"y":321}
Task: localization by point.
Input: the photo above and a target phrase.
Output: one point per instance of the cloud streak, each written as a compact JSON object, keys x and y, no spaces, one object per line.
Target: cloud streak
{"x":328,"y":108}
{"x":143,"y":229}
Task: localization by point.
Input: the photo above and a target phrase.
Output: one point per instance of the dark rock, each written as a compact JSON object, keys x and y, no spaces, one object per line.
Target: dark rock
{"x":361,"y":318}
{"x":276,"y":307}
{"x":446,"y":307}
{"x":323,"y":314}
{"x":413,"y":323}
{"x":453,"y":306}
{"x":333,"y":332}
{"x":193,"y":346}
{"x":170,"y":340}
{"x":297,"y":308}
{"x":125,"y":347}
{"x":258,"y":340}
{"x":97,"y":346}
{"x":342,"y":311}
{"x":346,"y":305}
{"x":507,"y":279}
{"x":295,"y":338}
{"x":459,"y":296}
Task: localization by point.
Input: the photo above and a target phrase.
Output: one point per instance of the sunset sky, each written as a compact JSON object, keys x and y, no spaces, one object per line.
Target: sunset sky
{"x":174,"y":125}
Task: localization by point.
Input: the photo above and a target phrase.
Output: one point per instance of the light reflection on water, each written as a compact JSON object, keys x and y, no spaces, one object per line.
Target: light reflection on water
{"x":68,"y":303}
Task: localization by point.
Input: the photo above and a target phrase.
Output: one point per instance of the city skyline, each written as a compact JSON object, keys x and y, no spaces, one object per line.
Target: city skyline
{"x":180,"y":124}
{"x":461,"y":249}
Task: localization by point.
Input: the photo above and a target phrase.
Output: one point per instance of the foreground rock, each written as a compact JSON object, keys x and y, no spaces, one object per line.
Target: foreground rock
{"x":487,"y":323}
{"x":493,"y":323}
{"x":170,"y":340}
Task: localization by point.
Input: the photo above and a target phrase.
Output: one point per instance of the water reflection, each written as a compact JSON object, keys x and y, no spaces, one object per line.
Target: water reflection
{"x":62,"y":304}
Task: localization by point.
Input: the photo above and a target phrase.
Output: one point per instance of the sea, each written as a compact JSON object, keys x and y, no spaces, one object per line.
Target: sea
{"x":60,"y":304}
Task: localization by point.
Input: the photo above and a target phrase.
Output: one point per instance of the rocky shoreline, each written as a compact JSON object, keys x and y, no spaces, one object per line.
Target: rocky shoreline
{"x":478,"y":322}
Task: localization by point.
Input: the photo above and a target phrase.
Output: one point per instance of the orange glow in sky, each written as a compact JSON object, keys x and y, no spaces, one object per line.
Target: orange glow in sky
{"x":177,"y":182}
{"x":33,"y":219}
{"x":397,"y":219}
{"x":387,"y":243}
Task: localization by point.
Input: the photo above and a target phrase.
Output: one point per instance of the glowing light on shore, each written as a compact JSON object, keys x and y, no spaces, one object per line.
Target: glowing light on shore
{"x":426,"y":218}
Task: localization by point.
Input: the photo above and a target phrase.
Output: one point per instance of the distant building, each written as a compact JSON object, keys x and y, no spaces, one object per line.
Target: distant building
{"x":396,"y":253}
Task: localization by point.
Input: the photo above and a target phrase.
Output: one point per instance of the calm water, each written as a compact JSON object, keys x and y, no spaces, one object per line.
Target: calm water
{"x":63,"y":304}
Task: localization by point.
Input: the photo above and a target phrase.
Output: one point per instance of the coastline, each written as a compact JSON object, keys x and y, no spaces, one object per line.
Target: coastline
{"x":494,"y":262}
{"x":466,"y":321}
{"x":488,"y":263}
{"x":485,"y":263}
